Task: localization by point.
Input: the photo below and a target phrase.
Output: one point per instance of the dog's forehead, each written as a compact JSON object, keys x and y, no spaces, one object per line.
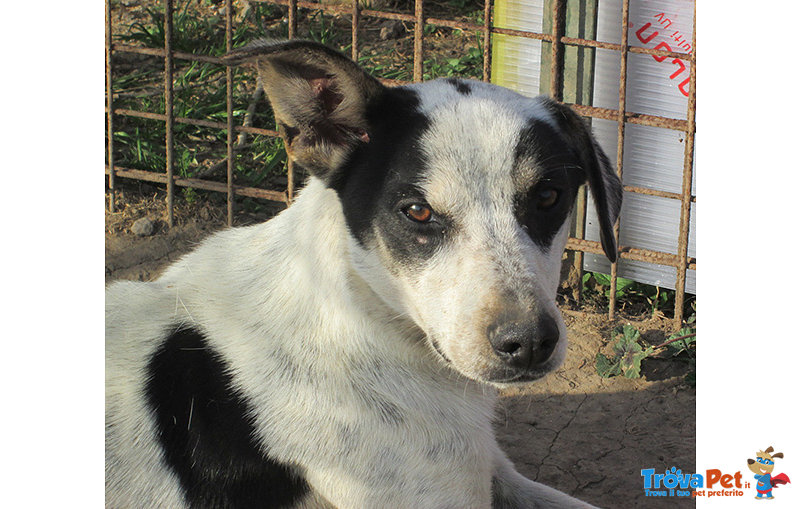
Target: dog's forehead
{"x":441,"y":92}
{"x":472,"y":143}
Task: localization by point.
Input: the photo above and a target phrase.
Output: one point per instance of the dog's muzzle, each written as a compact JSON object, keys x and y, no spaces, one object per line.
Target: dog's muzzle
{"x":525,"y":345}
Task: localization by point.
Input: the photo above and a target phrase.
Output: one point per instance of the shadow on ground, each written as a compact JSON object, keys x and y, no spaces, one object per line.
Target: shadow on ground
{"x":595,"y":445}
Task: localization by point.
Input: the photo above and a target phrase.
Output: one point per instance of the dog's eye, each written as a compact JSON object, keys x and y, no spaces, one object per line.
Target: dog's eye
{"x":418,"y":212}
{"x":546,"y":198}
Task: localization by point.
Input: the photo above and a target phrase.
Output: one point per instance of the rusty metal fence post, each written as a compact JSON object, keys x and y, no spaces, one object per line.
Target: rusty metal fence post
{"x":487,"y":41}
{"x":112,"y":185}
{"x":229,"y":107}
{"x":354,"y":30}
{"x":623,"y":82}
{"x":290,"y":184}
{"x":168,"y":111}
{"x":556,"y":51}
{"x":419,"y":31}
{"x":686,"y":186}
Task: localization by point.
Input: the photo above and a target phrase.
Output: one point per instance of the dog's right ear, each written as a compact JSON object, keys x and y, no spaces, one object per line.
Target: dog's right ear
{"x":319,"y":98}
{"x":604,"y":183}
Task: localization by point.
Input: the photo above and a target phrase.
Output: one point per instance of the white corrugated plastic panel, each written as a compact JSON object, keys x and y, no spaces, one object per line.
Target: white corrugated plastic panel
{"x":517,"y":61}
{"x":652,"y":156}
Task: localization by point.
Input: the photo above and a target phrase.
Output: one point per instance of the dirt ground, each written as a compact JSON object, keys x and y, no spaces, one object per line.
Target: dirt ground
{"x":574,"y":430}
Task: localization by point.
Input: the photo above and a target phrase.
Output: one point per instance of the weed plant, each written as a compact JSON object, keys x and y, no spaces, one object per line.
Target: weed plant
{"x":637,"y":298}
{"x":629,"y":351}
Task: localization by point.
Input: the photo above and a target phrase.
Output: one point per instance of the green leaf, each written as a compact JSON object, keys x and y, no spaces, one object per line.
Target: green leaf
{"x":685,"y":331}
{"x":682,"y":345}
{"x":626,"y":337}
{"x":605,"y":366}
{"x":631,"y":363}
{"x":629,"y":352}
{"x":624,"y":347}
{"x":623,"y":283}
{"x":630,"y":333}
{"x":602,"y":279}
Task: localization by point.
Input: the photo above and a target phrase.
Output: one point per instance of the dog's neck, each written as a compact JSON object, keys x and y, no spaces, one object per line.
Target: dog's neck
{"x":343,"y":279}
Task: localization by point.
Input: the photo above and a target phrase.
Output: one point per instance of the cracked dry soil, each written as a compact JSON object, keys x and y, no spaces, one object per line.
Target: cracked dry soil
{"x":573,"y":430}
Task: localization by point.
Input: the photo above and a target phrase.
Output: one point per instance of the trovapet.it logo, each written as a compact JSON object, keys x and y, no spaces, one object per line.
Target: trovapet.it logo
{"x":674,"y":483}
{"x":715,"y":483}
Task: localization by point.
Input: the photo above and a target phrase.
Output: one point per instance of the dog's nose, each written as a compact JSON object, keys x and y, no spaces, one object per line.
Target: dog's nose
{"x":523,"y":345}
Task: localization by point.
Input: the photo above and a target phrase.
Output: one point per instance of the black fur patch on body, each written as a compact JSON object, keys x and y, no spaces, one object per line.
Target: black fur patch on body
{"x":207,"y":434}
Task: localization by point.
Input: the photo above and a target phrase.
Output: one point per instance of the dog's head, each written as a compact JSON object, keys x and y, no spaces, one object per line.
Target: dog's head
{"x":457,"y":195}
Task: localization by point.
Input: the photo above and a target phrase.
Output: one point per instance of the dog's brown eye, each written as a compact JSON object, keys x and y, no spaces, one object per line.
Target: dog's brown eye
{"x":546,"y":198}
{"x":418,"y":212}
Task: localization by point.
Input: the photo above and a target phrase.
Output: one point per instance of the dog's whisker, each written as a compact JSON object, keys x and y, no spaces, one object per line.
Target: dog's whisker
{"x":191,"y":411}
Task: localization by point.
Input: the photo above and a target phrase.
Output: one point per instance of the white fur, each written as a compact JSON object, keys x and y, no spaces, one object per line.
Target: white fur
{"x":298,"y":292}
{"x":469,"y":177}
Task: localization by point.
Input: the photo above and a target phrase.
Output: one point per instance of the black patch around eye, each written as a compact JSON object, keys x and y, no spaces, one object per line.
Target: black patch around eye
{"x":542,"y":151}
{"x":542,"y":223}
{"x":366,"y":181}
{"x":411,"y":240}
{"x":378,"y":180}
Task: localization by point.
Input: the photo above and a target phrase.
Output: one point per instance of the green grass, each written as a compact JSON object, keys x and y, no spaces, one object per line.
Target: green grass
{"x":469,"y":65}
{"x":199,"y":90}
{"x":199,"y":93}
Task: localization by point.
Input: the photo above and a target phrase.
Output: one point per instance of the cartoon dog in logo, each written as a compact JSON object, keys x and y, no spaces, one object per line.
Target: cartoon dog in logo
{"x":763,"y":466}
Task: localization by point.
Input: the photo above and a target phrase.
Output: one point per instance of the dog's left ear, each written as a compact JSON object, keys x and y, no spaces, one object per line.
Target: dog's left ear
{"x":603,"y":180}
{"x":319,"y":98}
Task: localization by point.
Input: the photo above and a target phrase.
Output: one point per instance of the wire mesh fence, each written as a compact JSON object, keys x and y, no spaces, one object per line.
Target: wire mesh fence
{"x":292,"y":11}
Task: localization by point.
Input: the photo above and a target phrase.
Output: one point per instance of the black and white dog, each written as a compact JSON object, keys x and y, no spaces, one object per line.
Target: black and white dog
{"x":347,"y":352}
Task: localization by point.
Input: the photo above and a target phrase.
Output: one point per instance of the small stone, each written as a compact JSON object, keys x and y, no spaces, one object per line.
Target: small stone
{"x":143,"y":227}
